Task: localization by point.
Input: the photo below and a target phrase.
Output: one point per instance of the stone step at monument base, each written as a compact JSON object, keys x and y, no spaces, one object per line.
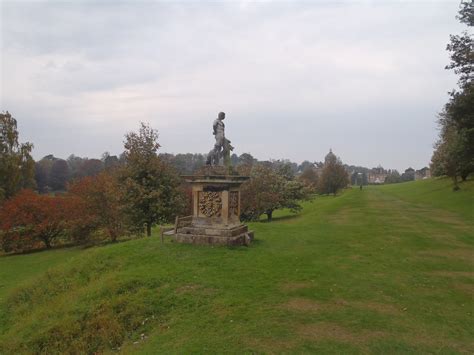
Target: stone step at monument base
{"x":244,"y":238}
{"x":220,"y":231}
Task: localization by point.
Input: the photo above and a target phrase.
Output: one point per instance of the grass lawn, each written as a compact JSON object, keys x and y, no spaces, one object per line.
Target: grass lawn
{"x":16,"y":269}
{"x":388,"y":269}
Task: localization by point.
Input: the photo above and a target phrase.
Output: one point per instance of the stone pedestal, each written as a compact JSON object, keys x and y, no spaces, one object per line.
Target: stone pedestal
{"x":216,"y":211}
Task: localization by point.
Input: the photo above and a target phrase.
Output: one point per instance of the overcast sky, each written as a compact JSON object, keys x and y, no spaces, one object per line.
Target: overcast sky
{"x":365,"y":78}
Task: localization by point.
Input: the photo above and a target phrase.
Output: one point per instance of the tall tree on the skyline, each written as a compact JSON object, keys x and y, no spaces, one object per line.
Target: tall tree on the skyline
{"x":59,"y":175}
{"x":16,"y":164}
{"x":334,"y":176}
{"x":454,"y":151}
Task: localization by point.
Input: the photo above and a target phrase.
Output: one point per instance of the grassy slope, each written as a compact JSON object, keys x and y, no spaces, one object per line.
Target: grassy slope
{"x":386,"y":269}
{"x":16,"y":269}
{"x":435,"y":193}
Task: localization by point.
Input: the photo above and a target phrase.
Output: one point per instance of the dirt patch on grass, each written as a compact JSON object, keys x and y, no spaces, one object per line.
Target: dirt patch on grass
{"x":222,"y":311}
{"x":300,"y":304}
{"x":188,"y":288}
{"x":353,"y":257}
{"x":304,"y":305}
{"x":294,"y":286}
{"x":424,"y":338}
{"x":447,"y":239}
{"x":469,"y":274}
{"x":332,"y":331}
{"x":458,"y":254}
{"x":383,"y":308}
{"x":193,"y":288}
{"x":272,"y":345}
{"x":362,"y":337}
{"x":465,"y":288}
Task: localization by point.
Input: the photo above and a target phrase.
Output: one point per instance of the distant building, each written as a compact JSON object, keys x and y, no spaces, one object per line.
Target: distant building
{"x":377,"y":175}
{"x":424,"y":173}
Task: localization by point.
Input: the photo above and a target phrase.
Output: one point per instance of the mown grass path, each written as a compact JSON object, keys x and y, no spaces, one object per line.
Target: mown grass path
{"x":383,"y":270}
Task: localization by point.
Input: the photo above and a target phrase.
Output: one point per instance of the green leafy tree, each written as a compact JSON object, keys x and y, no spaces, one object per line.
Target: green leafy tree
{"x":152,"y":188}
{"x":447,"y":157}
{"x":285,"y":168}
{"x":91,"y":167}
{"x":17,"y":167}
{"x":408,"y":175}
{"x":454,"y":150}
{"x":309,"y":178}
{"x":185,"y":163}
{"x":75,"y":164}
{"x":59,"y":175}
{"x":110,"y":161}
{"x":461,"y":46}
{"x":247,"y":159}
{"x":43,"y":173}
{"x":268,"y":191}
{"x":393,"y":177}
{"x":334,"y":176}
{"x":305,"y":165}
{"x":458,"y":117}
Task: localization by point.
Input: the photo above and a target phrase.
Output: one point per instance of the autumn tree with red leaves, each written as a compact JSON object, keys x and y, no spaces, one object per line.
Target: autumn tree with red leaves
{"x":28,"y":220}
{"x":97,"y":203}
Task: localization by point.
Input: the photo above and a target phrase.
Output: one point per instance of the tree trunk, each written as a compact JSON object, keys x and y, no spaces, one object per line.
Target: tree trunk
{"x":455,"y":180}
{"x":269,"y":215}
{"x":47,"y":242}
{"x":113,"y":235}
{"x":148,"y":229}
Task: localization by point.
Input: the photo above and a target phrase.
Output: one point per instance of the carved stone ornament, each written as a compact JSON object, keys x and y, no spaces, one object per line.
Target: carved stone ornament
{"x":233,"y":203}
{"x":210,"y":203}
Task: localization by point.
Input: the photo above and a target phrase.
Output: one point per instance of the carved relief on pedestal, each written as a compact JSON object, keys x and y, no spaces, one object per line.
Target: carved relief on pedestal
{"x":234,"y":203}
{"x":210,"y":203}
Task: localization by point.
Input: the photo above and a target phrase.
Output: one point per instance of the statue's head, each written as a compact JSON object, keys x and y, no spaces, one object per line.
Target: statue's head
{"x":221,"y":115}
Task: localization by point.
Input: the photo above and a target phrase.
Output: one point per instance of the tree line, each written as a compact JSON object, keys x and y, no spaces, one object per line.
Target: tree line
{"x":79,"y":200}
{"x":103,"y":201}
{"x":454,"y":151}
{"x":51,"y":174}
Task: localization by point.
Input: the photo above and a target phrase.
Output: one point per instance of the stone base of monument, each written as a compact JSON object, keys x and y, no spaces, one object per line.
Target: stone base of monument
{"x":216,"y":210}
{"x":229,"y":235}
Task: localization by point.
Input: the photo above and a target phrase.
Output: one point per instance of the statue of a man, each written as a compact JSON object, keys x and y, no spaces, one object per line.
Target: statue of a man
{"x":222,"y":146}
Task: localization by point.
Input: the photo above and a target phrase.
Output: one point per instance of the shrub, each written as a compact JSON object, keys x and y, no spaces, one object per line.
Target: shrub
{"x":269,"y":190}
{"x":29,"y":220}
{"x":96,"y":202}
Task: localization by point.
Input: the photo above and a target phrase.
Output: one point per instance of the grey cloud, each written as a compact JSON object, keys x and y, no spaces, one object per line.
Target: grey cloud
{"x":365,"y":78}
